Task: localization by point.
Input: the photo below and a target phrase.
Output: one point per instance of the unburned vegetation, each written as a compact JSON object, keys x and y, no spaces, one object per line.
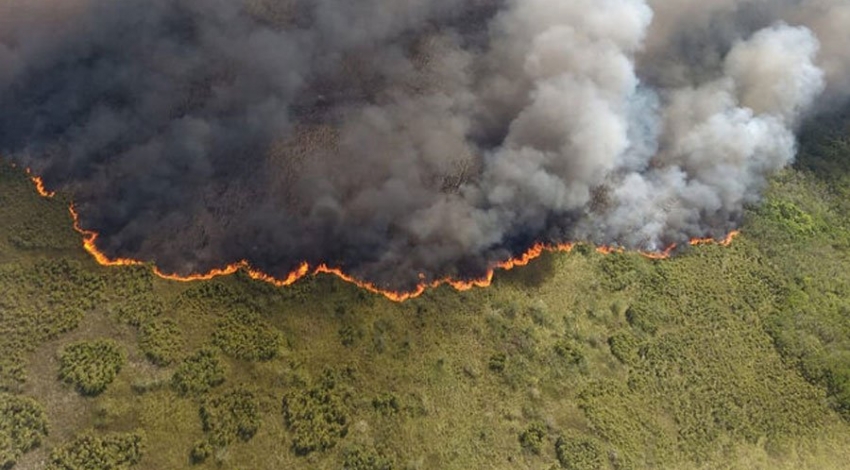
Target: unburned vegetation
{"x":721,"y":357}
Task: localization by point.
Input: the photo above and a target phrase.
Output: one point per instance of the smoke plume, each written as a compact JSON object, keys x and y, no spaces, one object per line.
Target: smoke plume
{"x":409,"y":140}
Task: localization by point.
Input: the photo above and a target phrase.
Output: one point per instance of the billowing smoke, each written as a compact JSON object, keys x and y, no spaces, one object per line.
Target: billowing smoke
{"x":409,"y":139}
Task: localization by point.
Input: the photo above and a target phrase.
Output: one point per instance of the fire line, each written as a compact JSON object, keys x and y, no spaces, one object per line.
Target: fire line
{"x":303,"y":270}
{"x":39,"y":184}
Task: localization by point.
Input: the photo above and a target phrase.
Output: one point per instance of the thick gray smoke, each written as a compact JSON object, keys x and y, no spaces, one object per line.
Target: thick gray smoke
{"x":409,"y":139}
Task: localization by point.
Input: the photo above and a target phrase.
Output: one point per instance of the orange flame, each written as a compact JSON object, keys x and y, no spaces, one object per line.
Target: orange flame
{"x":303,"y":270}
{"x":39,"y":185}
{"x":609,"y":250}
{"x":90,"y":245}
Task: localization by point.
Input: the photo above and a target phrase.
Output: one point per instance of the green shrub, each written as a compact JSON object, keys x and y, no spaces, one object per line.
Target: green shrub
{"x":38,"y":302}
{"x":625,"y":347}
{"x":201,"y":451}
{"x":138,"y":309}
{"x":231,"y":415}
{"x":243,"y":335}
{"x":39,"y":234}
{"x":533,"y":437}
{"x":13,"y":370}
{"x":580,"y":453}
{"x":316,"y":416}
{"x":620,"y":270}
{"x":198,"y":373}
{"x":349,"y":335}
{"x":386,"y":404}
{"x":161,"y":341}
{"x":538,"y":315}
{"x":89,"y":452}
{"x":23,"y":425}
{"x":135,"y":302}
{"x":497,"y":362}
{"x":643,"y":318}
{"x":571,"y":351}
{"x":91,"y":365}
{"x":357,"y":458}
{"x":790,"y":217}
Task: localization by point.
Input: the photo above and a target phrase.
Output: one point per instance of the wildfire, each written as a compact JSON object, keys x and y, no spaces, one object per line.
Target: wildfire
{"x":39,"y":185}
{"x":90,"y":245}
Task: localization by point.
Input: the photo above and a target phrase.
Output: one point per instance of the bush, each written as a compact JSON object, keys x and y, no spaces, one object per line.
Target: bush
{"x":532,"y":438}
{"x":91,"y":365}
{"x":244,"y":336}
{"x":22,"y":427}
{"x":349,"y":335}
{"x":39,"y":301}
{"x":198,"y":373}
{"x":357,"y":458}
{"x":135,"y":302}
{"x":386,"y":404}
{"x":233,"y":414}
{"x":580,"y":453}
{"x":497,"y":362}
{"x":644,"y":318}
{"x":201,"y":451}
{"x":790,"y":217}
{"x":571,"y":351}
{"x":88,"y":452}
{"x":625,"y":347}
{"x":161,"y":341}
{"x":13,"y":370}
{"x":317,"y":416}
{"x":620,"y":270}
{"x":140,"y":308}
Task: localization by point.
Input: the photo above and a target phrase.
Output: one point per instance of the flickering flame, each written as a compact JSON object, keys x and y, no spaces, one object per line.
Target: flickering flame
{"x":39,"y":185}
{"x":609,"y":250}
{"x":90,"y":245}
{"x":303,"y":270}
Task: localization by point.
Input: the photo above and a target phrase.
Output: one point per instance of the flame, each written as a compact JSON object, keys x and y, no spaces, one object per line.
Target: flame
{"x":39,"y":184}
{"x":609,"y":250}
{"x":90,"y":244}
{"x":660,"y":254}
{"x":304,"y":269}
{"x":730,"y":237}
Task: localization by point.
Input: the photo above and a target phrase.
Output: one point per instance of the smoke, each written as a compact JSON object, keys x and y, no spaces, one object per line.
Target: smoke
{"x":409,"y":140}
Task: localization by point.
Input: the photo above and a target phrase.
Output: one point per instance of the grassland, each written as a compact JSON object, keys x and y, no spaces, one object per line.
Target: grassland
{"x":722,"y":357}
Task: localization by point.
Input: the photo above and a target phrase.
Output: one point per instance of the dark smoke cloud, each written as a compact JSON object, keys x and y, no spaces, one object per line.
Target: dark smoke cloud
{"x":408,"y":138}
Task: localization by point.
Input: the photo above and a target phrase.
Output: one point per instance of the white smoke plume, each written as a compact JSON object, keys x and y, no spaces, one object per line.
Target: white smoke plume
{"x":410,"y":140}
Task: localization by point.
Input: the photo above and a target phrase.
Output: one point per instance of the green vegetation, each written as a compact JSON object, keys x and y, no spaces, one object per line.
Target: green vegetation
{"x":231,"y":415}
{"x":358,"y":458}
{"x":87,"y":452}
{"x":161,"y":341}
{"x":317,"y":416}
{"x":198,"y":373}
{"x":201,"y":451}
{"x":497,"y":362}
{"x":533,"y":438}
{"x":23,"y":425}
{"x":722,"y":357}
{"x":244,"y":336}
{"x":91,"y":365}
{"x":580,"y":453}
{"x":39,"y":301}
{"x":387,"y":404}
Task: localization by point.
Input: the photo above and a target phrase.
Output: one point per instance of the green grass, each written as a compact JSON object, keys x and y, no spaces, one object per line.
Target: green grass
{"x":720,"y":358}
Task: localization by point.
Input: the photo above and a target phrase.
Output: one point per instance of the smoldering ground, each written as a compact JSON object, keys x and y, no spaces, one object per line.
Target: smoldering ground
{"x":409,"y":139}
